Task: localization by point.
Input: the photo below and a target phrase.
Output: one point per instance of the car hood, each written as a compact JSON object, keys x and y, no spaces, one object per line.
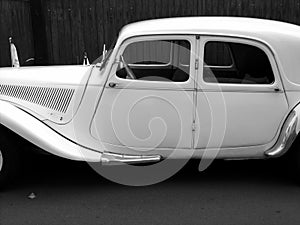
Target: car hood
{"x":49,"y":93}
{"x":48,"y":75}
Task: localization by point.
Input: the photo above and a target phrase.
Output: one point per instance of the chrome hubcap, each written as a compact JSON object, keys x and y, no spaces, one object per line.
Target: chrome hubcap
{"x":1,"y":160}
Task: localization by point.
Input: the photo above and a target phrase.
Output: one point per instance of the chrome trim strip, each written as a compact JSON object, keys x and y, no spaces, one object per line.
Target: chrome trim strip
{"x":287,"y":136}
{"x":118,"y":159}
{"x":152,"y":89}
{"x":271,"y":90}
{"x":219,"y":67}
{"x":149,"y":65}
{"x":1,"y":161}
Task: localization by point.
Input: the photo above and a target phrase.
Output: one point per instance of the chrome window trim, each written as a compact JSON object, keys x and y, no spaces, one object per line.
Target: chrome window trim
{"x":1,"y":160}
{"x":242,"y":40}
{"x":220,"y":67}
{"x":122,"y":46}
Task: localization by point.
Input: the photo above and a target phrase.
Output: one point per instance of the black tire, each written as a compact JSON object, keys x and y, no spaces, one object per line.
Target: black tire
{"x":291,"y":162}
{"x":10,"y":161}
{"x":296,"y":164}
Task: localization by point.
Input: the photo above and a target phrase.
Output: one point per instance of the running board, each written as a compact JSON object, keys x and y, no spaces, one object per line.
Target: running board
{"x":118,"y":159}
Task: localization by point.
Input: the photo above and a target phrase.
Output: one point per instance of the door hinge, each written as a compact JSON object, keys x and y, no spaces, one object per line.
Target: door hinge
{"x":197,"y":64}
{"x":193,"y":127}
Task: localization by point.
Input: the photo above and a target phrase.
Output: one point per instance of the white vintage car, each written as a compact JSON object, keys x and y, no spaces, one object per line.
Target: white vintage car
{"x":204,"y":87}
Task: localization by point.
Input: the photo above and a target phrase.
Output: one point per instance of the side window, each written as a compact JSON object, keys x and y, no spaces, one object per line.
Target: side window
{"x":235,"y":63}
{"x":156,"y":60}
{"x":218,"y":54}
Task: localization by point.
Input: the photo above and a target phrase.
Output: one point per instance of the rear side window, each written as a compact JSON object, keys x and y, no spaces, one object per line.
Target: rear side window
{"x":236,"y":63}
{"x":222,"y":58}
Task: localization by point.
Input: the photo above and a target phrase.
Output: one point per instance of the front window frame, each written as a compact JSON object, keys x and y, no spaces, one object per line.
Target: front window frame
{"x":155,"y":37}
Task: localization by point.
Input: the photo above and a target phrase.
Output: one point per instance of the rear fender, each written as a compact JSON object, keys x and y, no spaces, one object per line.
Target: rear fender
{"x":288,"y":134}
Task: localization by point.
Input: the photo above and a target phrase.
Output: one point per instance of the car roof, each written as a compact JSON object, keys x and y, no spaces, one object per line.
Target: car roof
{"x":283,"y":39}
{"x":242,"y":26}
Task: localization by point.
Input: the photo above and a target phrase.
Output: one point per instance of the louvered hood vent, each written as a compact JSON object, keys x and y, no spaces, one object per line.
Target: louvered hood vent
{"x":57,"y":99}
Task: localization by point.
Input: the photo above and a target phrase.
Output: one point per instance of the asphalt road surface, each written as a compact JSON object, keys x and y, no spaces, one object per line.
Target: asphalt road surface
{"x":229,"y":192}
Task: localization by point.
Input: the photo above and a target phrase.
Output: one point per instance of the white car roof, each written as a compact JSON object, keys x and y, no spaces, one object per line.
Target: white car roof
{"x":256,"y":28}
{"x":283,"y":39}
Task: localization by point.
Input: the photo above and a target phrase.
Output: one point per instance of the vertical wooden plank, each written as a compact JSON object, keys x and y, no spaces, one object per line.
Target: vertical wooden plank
{"x":48,"y":28}
{"x":105,"y":13}
{"x":67,"y":43}
{"x":201,"y":7}
{"x":39,"y":32}
{"x":99,"y":27}
{"x":297,"y":8}
{"x":221,"y":8}
{"x":115,"y":25}
{"x":4,"y":23}
{"x":61,"y":33}
{"x":150,"y":9}
{"x":84,"y":25}
{"x":54,"y":26}
{"x":15,"y":21}
{"x":174,"y":9}
{"x":73,"y":38}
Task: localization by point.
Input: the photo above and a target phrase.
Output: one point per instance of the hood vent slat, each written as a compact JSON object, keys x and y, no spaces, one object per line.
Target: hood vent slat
{"x":57,"y":99}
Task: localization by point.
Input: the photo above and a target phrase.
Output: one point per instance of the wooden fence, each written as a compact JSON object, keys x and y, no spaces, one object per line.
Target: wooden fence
{"x":15,"y":21}
{"x":62,"y":30}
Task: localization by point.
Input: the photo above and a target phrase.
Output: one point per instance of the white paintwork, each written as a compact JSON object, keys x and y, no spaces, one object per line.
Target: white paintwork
{"x":143,"y":114}
{"x":252,"y":113}
{"x":70,"y":77}
{"x":96,"y":122}
{"x":42,"y":136}
{"x":251,"y":118}
{"x":48,"y":75}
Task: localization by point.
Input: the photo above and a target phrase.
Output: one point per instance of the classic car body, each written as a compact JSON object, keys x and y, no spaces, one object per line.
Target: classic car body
{"x":244,"y":103}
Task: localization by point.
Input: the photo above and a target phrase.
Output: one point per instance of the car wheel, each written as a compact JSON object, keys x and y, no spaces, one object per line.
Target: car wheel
{"x":291,"y":162}
{"x":9,"y":162}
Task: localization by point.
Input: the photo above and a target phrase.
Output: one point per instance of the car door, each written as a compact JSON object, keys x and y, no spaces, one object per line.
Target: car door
{"x":240,"y":98}
{"x":153,"y":110}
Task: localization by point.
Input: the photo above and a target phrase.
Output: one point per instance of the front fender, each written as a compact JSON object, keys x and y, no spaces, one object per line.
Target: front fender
{"x":36,"y":132}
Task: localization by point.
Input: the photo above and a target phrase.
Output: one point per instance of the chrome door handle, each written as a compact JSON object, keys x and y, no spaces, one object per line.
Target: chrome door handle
{"x":276,"y":89}
{"x":112,"y":85}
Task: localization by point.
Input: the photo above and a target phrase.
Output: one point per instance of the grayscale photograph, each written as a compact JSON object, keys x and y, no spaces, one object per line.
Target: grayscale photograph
{"x":180,"y":112}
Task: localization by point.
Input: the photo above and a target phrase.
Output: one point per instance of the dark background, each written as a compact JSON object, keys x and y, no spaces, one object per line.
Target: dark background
{"x":59,"y":31}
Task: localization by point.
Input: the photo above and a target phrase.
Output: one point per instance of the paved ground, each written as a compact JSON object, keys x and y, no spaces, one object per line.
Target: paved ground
{"x":248,"y":192}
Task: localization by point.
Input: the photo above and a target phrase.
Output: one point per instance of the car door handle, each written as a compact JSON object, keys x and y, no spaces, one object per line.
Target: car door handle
{"x":276,"y":89}
{"x":113,"y":85}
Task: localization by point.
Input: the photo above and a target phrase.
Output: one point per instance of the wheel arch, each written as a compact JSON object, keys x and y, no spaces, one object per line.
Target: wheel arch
{"x":289,"y":134}
{"x":18,"y":122}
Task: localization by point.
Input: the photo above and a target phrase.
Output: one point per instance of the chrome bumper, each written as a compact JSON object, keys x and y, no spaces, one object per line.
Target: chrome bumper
{"x":118,"y":159}
{"x":286,"y":138}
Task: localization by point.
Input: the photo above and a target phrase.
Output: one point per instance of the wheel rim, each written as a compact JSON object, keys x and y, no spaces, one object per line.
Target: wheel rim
{"x":1,"y":161}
